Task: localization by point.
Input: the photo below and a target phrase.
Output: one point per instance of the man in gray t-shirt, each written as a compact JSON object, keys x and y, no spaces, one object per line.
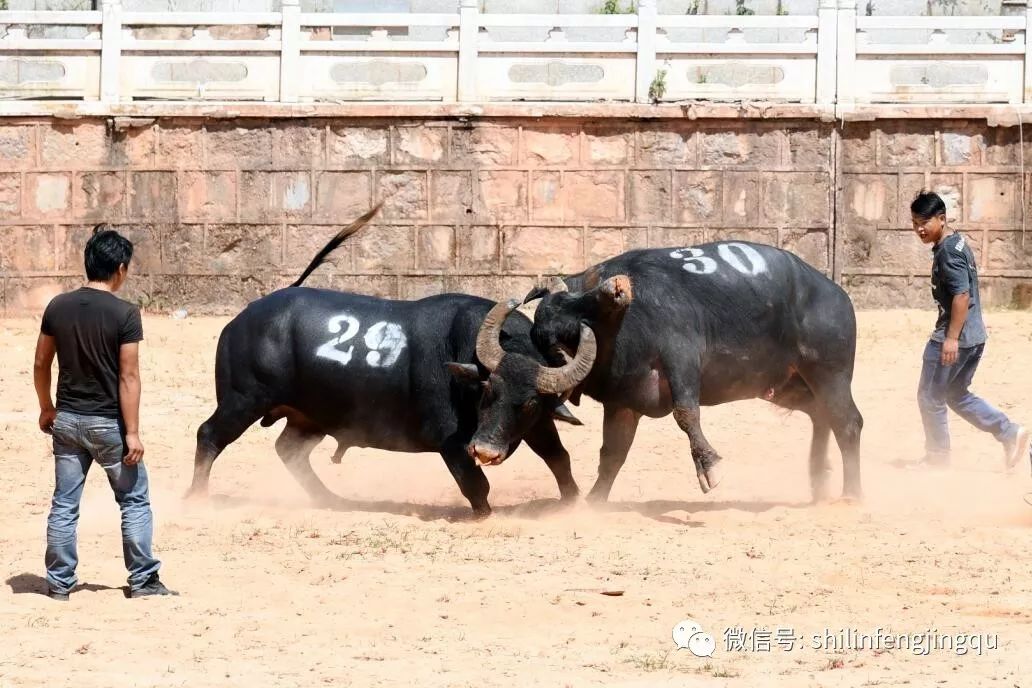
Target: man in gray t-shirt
{"x":954,"y":274}
{"x":955,"y":348}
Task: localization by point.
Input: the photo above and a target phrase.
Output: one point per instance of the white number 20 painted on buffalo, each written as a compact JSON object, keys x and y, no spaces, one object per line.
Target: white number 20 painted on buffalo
{"x":697,"y":262}
{"x":384,"y":340}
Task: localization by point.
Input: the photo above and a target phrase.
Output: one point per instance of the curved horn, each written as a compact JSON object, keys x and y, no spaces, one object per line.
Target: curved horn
{"x":559,"y":380}
{"x":489,"y":345}
{"x":552,"y":285}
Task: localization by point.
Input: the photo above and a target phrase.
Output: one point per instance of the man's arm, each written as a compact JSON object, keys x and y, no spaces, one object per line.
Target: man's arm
{"x":46,"y":348}
{"x":129,"y":399}
{"x":958,"y":314}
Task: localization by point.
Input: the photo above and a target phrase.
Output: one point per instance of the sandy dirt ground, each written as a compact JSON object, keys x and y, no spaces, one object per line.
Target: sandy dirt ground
{"x":399,"y":586}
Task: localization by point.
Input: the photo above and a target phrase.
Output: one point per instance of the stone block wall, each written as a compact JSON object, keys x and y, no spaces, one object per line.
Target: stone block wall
{"x":977,"y":169}
{"x":223,"y":211}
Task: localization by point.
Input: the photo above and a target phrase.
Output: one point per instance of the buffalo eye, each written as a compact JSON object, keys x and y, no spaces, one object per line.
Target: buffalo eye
{"x":487,"y":394}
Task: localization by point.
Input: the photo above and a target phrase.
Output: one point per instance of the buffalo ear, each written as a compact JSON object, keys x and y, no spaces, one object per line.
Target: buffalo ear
{"x":467,"y":373}
{"x":616,"y":292}
{"x":561,"y":413}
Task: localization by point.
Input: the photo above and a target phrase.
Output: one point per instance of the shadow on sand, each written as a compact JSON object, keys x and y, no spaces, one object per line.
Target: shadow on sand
{"x":32,"y":584}
{"x":657,"y":510}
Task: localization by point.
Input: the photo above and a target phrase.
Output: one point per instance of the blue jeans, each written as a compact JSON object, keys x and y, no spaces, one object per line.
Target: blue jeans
{"x":78,"y":442}
{"x":947,"y":386}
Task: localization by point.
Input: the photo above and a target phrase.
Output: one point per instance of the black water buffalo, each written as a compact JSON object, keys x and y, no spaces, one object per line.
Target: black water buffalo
{"x":677,"y":329}
{"x":394,"y":375}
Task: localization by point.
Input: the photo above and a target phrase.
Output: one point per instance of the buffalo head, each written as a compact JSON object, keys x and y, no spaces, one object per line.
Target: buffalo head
{"x":519,"y":388}
{"x":562,"y":314}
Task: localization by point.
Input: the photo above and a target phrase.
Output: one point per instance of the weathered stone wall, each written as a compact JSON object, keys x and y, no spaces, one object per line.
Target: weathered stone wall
{"x":223,"y":211}
{"x":977,"y":169}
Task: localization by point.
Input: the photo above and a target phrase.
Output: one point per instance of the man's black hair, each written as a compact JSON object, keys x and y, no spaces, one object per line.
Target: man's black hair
{"x":105,"y":251}
{"x":928,"y":205}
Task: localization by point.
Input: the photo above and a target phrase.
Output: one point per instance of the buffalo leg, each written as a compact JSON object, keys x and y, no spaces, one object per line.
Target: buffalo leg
{"x":847,"y":425}
{"x":833,"y":393}
{"x":819,"y":466}
{"x":544,"y":441}
{"x":469,"y":476}
{"x":338,"y":453}
{"x":706,"y":458}
{"x":618,"y":428}
{"x":796,"y":396}
{"x":224,"y":427}
{"x":294,"y":446}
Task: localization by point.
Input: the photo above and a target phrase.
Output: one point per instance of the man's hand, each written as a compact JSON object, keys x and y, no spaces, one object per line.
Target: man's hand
{"x":949,"y":351}
{"x":134,"y":450}
{"x":46,"y":419}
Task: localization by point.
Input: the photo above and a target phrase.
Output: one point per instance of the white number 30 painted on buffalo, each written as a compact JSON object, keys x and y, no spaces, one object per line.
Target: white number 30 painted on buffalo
{"x":697,"y":262}
{"x":384,"y":340}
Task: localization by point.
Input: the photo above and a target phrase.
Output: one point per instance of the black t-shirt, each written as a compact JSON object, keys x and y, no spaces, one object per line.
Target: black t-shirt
{"x":89,"y":327}
{"x":954,"y":272}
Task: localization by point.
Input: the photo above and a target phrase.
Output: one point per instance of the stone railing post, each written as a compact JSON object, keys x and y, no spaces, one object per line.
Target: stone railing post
{"x":645,"y":69}
{"x":827,"y":53}
{"x":846,"y":52}
{"x":110,"y":50}
{"x":290,"y":50}
{"x":1028,"y":52}
{"x":469,"y":31}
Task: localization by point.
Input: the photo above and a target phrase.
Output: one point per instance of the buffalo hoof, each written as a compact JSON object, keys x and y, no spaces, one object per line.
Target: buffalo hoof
{"x":842,"y":502}
{"x":327,"y":500}
{"x":820,"y":491}
{"x":570,"y":497}
{"x":852,"y":494}
{"x":480,"y":513}
{"x":710,"y":477}
{"x":195,"y":494}
{"x":849,"y":499}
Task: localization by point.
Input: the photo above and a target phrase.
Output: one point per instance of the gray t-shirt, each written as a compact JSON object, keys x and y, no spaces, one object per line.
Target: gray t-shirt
{"x":954,"y":272}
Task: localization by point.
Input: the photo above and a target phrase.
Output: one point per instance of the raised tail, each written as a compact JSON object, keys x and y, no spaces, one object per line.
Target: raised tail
{"x":336,"y":241}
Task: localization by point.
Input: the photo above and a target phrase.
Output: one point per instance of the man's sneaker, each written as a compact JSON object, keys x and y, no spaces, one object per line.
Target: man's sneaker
{"x":153,"y":586}
{"x":59,"y":596}
{"x":930,"y":461}
{"x":1017,"y":449}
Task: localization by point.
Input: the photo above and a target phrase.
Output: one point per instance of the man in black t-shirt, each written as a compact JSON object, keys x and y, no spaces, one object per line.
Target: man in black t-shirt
{"x":955,"y":347}
{"x":96,"y":336}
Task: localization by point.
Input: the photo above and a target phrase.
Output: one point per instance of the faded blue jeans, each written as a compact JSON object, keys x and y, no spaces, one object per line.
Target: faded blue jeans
{"x":947,"y":386}
{"x":78,"y":442}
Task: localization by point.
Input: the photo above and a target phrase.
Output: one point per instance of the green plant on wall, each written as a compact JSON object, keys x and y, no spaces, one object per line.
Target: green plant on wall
{"x":3,"y":5}
{"x":741,"y":10}
{"x":657,"y":89}
{"x":781,"y":11}
{"x":869,"y":9}
{"x":693,"y":9}
{"x":613,"y":7}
